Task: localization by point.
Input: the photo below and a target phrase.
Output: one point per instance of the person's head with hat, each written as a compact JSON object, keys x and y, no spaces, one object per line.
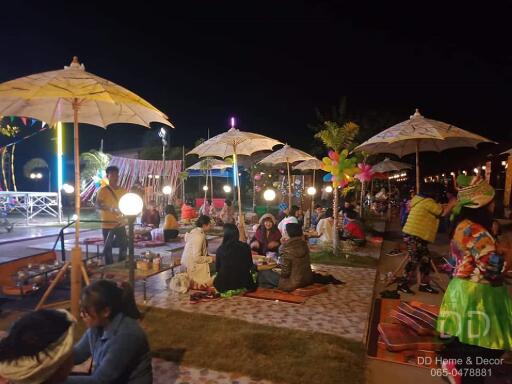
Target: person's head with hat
{"x":475,"y":201}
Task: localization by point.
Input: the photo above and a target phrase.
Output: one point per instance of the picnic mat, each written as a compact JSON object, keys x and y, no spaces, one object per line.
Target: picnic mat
{"x":274,"y":294}
{"x":392,"y":339}
{"x":310,"y":290}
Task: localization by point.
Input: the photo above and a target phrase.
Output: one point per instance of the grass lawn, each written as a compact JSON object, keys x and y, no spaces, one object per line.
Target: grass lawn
{"x":262,"y":352}
{"x":327,"y":257}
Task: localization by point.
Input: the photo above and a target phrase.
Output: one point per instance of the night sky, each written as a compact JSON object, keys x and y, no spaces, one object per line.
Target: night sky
{"x":271,"y":63}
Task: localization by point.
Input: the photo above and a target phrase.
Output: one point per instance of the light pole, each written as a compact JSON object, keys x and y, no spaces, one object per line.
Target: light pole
{"x":131,"y":205}
{"x":167,"y":190}
{"x":162,"y":133}
{"x":311,"y":191}
{"x":68,"y":189}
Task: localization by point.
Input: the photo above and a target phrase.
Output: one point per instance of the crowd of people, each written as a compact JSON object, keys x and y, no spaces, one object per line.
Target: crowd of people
{"x":118,"y":346}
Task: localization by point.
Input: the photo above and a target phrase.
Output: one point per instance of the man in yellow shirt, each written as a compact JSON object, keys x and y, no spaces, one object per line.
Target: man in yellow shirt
{"x":419,"y":230}
{"x":113,"y":226}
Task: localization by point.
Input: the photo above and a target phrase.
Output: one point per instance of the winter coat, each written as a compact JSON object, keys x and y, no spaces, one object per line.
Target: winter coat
{"x":233,"y":263}
{"x":296,"y":267}
{"x":195,"y":258}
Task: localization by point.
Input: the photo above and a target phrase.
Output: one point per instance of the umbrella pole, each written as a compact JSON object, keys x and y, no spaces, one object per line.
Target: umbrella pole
{"x":211,"y":184}
{"x":312,"y":202}
{"x":417,"y":166}
{"x":76,"y":252}
{"x":289,"y":185}
{"x":389,"y":198}
{"x":241,"y":223}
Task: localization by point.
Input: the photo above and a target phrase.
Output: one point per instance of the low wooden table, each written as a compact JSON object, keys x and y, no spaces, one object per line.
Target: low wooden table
{"x":120,"y":270}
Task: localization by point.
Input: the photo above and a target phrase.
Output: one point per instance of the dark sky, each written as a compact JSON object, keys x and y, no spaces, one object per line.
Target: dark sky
{"x":271,"y":63}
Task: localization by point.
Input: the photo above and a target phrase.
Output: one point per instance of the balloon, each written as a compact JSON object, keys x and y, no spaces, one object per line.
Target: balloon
{"x":257,"y":177}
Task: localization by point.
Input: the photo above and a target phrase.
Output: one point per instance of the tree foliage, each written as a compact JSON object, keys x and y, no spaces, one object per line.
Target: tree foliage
{"x":338,"y":136}
{"x":94,"y":161}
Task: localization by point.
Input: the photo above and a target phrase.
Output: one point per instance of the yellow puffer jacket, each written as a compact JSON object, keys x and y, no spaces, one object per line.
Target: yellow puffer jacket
{"x":423,"y":220}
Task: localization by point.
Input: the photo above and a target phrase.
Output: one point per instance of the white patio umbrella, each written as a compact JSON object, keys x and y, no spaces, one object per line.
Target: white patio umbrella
{"x":288,"y":155}
{"x":233,"y":143}
{"x":386,"y":166}
{"x":419,"y":134}
{"x":314,"y":165}
{"x":208,"y":165}
{"x":74,"y":95}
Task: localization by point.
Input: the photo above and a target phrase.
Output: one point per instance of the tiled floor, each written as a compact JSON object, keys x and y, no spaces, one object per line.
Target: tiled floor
{"x":343,"y":310}
{"x":166,"y":372}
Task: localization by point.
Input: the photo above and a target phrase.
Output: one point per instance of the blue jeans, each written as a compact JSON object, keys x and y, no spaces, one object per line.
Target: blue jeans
{"x":114,"y":237}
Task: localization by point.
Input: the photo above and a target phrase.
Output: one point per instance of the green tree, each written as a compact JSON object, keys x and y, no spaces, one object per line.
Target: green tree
{"x":338,"y":137}
{"x":94,"y":161}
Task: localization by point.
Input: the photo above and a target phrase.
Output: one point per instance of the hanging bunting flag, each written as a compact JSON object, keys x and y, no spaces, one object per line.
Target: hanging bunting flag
{"x":43,"y":123}
{"x":24,"y":119}
{"x":32,"y":122}
{"x":12,"y":118}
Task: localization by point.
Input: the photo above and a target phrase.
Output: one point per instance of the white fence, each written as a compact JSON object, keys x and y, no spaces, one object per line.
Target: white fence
{"x":32,"y":204}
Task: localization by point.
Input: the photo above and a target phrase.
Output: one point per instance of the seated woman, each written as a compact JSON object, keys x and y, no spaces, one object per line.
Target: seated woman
{"x":195,"y":257}
{"x":325,"y":227}
{"x":267,"y":237}
{"x":114,"y":339}
{"x":38,"y":348}
{"x":151,"y":216}
{"x":353,"y":230}
{"x":296,"y":267}
{"x":188,"y":212}
{"x":227,"y":213}
{"x":233,"y":263}
{"x":171,"y":224}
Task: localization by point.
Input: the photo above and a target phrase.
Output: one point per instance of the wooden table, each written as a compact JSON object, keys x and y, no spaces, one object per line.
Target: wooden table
{"x":121,"y":270}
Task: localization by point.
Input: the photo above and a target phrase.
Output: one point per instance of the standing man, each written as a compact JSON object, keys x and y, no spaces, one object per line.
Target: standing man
{"x":107,"y":202}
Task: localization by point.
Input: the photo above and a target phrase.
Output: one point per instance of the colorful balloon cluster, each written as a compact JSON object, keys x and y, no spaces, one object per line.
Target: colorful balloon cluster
{"x":341,"y":168}
{"x":100,"y":179}
{"x":365,"y":172}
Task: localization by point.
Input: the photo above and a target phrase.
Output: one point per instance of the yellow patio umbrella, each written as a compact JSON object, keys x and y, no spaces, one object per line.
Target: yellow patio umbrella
{"x":288,"y":155}
{"x":74,"y":95}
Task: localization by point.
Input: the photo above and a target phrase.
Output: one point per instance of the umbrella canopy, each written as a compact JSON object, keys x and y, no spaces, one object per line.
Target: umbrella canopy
{"x":287,"y":155}
{"x":312,"y":164}
{"x":388,"y":165}
{"x":210,"y":164}
{"x":419,"y":134}
{"x":232,"y":143}
{"x":74,"y":95}
{"x":51,"y":96}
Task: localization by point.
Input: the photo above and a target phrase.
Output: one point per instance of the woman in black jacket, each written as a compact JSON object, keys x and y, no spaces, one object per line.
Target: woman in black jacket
{"x":233,"y":262}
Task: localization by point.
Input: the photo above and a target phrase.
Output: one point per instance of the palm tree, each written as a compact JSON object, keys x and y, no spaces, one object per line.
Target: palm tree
{"x":338,"y":137}
{"x":94,"y":161}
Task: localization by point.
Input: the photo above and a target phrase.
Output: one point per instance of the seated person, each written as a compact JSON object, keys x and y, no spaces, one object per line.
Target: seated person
{"x":325,"y":227}
{"x":296,"y":267}
{"x":353,"y":230}
{"x":291,"y":218}
{"x":317,"y":215}
{"x":170,"y":224}
{"x":114,"y":339}
{"x":205,"y":208}
{"x":187,"y":211}
{"x":233,"y":263}
{"x":151,"y":216}
{"x":267,"y":237}
{"x":227,"y":213}
{"x":195,"y":257}
{"x":38,"y":348}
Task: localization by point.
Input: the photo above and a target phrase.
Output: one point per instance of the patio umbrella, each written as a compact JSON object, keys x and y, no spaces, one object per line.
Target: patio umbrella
{"x":233,"y":143}
{"x":287,"y":155}
{"x":419,"y":134}
{"x":312,"y":164}
{"x":208,"y":164}
{"x":74,"y":95}
{"x":387,"y":166}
